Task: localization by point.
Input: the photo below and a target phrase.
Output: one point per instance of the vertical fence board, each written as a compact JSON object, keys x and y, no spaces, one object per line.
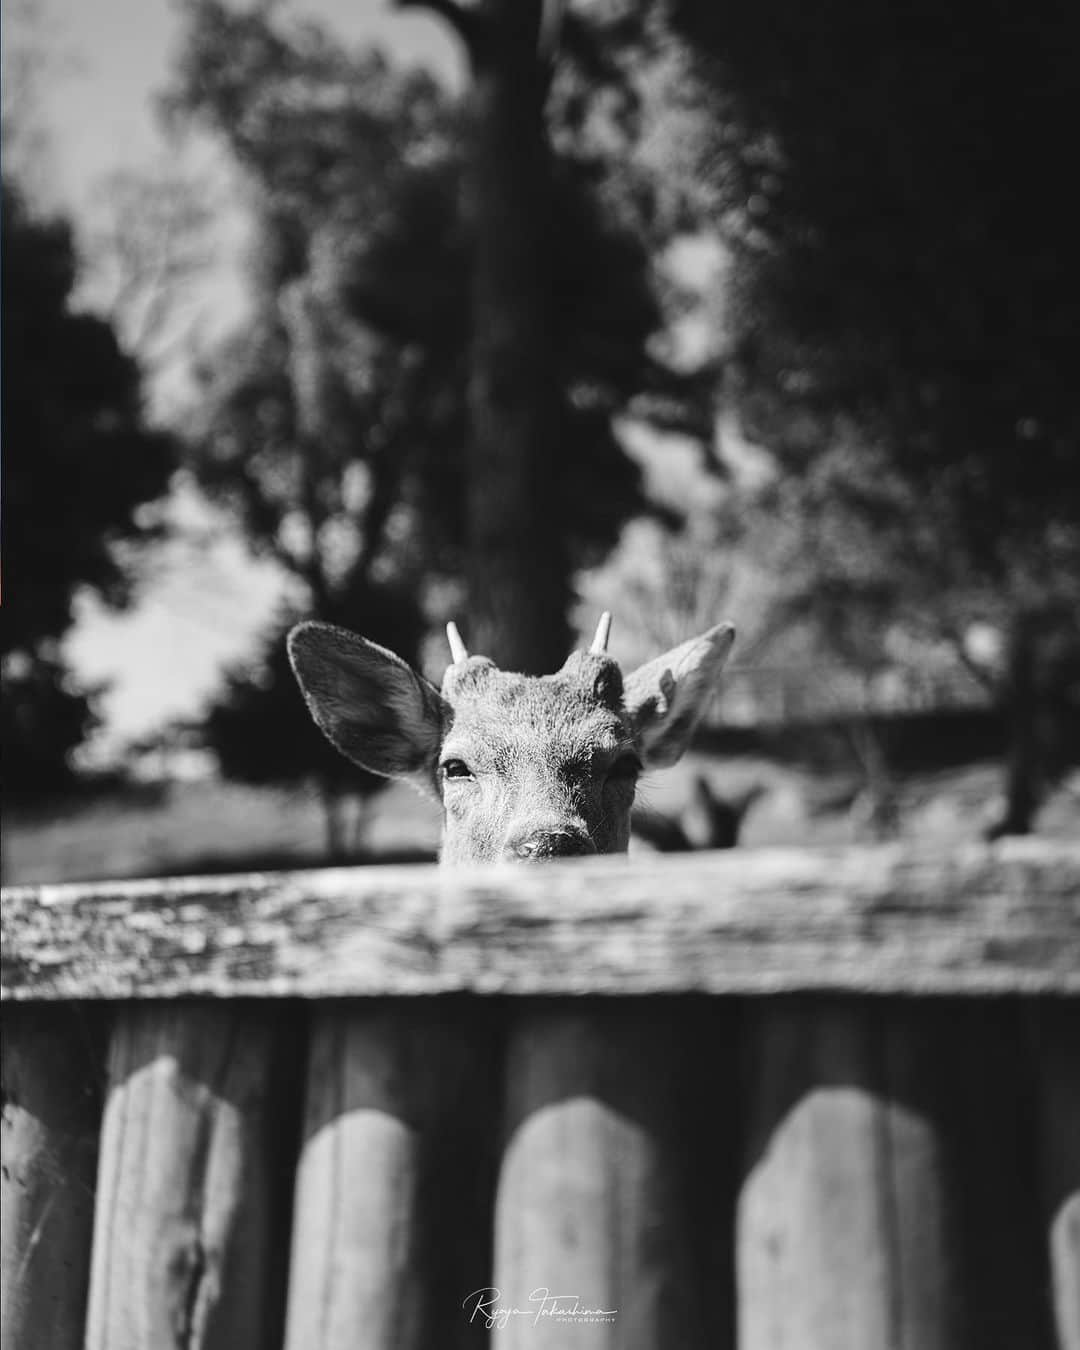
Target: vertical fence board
{"x":52,"y":1070}
{"x":387,"y":1230}
{"x":908,"y":1155}
{"x":991,"y":1119}
{"x":591,"y":1205}
{"x":193,"y":1170}
{"x":1058,"y":1038}
{"x":843,"y":1238}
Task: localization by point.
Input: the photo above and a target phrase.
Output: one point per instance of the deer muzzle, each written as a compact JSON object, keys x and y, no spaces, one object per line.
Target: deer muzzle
{"x":538,"y":845}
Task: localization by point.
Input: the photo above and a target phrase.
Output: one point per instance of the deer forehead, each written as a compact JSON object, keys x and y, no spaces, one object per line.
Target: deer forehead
{"x":547,"y":721}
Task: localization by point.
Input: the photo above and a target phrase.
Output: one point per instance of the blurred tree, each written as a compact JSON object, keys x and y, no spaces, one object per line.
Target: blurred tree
{"x":260,"y":730}
{"x":904,"y":317}
{"x":150,"y":241}
{"x":366,"y":192}
{"x":81,"y":473}
{"x":561,"y":219}
{"x":28,"y":60}
{"x":334,"y":424}
{"x":516,"y":563}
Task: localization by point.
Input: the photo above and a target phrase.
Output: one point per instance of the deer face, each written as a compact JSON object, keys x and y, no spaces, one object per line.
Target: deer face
{"x":526,"y":768}
{"x":536,"y":768}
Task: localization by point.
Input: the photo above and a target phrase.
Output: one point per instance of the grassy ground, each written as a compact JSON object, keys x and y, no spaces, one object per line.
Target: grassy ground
{"x":200,"y":827}
{"x":209,"y":827}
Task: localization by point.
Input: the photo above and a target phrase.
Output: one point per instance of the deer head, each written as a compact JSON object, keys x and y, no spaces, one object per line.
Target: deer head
{"x":526,"y":767}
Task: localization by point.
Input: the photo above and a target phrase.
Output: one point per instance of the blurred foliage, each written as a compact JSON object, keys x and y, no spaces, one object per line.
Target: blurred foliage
{"x":44,"y":716}
{"x":333,"y":425}
{"x":893,"y":184}
{"x":354,"y":169}
{"x":148,"y":242}
{"x":903,"y":316}
{"x":324,"y":436}
{"x":260,"y":729}
{"x":81,"y":469}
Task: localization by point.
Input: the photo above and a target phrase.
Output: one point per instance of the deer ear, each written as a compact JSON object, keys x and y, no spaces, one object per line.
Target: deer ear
{"x":369,"y":704}
{"x":668,"y":697}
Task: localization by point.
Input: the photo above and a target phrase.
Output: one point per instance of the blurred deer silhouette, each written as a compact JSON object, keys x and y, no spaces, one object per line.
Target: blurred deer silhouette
{"x":710,"y":819}
{"x":526,"y":767}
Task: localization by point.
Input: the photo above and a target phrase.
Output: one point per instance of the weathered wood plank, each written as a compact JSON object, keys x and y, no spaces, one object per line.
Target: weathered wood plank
{"x":380,"y":1219}
{"x":593,"y":1244}
{"x":52,"y":1071}
{"x":1058,"y":1057}
{"x":357,"y":1274}
{"x":189,"y":1247}
{"x":844,"y":1231}
{"x":986,"y":1098}
{"x":974,"y":919}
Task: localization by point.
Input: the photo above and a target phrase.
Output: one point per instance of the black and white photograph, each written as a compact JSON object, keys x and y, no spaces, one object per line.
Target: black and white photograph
{"x":540,"y":596}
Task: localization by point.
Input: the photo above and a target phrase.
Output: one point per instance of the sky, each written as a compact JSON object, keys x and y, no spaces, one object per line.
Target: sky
{"x":102,"y":62}
{"x":107,"y":59}
{"x":101,"y":65}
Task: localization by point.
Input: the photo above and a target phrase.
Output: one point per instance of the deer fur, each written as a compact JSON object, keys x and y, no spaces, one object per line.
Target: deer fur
{"x":526,"y":767}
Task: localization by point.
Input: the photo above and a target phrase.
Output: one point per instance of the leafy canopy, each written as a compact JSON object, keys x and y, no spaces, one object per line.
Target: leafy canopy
{"x":81,"y":471}
{"x":334,"y":422}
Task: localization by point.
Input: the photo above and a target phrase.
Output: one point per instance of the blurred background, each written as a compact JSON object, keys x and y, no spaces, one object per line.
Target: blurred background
{"x":508,"y":312}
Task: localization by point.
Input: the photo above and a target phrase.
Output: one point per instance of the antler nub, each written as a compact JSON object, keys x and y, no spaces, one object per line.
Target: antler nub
{"x":603,"y":629}
{"x":458,"y":650}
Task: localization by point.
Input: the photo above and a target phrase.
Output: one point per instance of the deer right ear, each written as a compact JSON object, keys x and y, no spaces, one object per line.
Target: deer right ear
{"x":668,"y":697}
{"x":369,"y":703}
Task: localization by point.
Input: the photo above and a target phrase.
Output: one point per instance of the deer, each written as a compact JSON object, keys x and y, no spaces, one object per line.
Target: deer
{"x":527,"y":768}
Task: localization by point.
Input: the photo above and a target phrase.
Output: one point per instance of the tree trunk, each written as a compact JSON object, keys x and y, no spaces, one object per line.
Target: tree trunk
{"x":517,"y":567}
{"x":360,"y":822}
{"x":335,"y":831}
{"x":1024,"y":765}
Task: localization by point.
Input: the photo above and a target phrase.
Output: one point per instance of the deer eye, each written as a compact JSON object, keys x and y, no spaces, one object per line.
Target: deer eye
{"x":456,"y":768}
{"x":625,"y":769}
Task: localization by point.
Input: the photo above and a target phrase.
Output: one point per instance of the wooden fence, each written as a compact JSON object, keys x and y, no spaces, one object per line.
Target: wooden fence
{"x":785,"y":1100}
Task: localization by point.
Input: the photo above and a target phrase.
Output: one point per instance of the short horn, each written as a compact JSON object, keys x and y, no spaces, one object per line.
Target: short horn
{"x":458,"y":650}
{"x":603,"y":629}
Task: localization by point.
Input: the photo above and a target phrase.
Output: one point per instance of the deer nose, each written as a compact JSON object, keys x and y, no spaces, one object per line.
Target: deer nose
{"x":550,"y":844}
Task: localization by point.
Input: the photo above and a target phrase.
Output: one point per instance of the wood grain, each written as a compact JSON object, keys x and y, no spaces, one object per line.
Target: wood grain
{"x":188,"y":1247}
{"x":973,"y":919}
{"x":592,"y":1241}
{"x":1058,"y":1060}
{"x":844,"y":1235}
{"x":378,"y":1217}
{"x":52,"y":1107}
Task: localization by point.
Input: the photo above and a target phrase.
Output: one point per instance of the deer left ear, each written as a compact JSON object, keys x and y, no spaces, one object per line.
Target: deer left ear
{"x":368,"y":702}
{"x":668,"y":697}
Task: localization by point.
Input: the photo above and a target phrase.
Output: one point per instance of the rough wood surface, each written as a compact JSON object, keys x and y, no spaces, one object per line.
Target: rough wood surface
{"x":1058,"y":1054}
{"x":52,"y":1106}
{"x":844,"y":1236}
{"x":357,"y":1276}
{"x":974,"y":919}
{"x":189,"y":1247}
{"x":592,"y":1242}
{"x":378,"y":1218}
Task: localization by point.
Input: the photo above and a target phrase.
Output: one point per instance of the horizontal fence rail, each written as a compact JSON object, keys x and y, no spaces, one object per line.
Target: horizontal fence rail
{"x":888,"y":920}
{"x":797,"y":1100}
